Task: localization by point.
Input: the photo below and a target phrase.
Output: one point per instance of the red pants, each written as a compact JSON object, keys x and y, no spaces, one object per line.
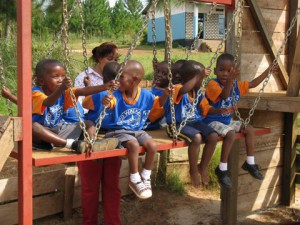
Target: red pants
{"x":92,"y":173}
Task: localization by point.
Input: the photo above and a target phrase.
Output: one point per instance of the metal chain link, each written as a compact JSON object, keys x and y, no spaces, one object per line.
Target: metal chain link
{"x":89,"y":140}
{"x":4,"y":82}
{"x":169,"y":52}
{"x":200,"y":30}
{"x":275,"y":61}
{"x":59,"y":33}
{"x":154,"y":60}
{"x":127,"y":57}
{"x":201,"y":90}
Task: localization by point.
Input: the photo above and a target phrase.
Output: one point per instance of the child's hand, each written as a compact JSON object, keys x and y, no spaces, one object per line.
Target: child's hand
{"x":67,"y":83}
{"x":112,"y":85}
{"x":5,"y":92}
{"x":106,"y":100}
{"x":207,"y":71}
{"x":228,"y":110}
{"x":169,"y":90}
{"x":87,"y":81}
{"x":234,"y":73}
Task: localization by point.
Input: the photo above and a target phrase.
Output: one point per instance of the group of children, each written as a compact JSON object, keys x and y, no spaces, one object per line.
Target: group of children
{"x":130,"y":110}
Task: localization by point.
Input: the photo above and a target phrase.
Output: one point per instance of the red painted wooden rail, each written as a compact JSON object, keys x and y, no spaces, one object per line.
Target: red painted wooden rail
{"x":63,"y":155}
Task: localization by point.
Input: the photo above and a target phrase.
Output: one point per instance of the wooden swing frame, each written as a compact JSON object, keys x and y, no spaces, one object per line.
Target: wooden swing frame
{"x":25,"y":156}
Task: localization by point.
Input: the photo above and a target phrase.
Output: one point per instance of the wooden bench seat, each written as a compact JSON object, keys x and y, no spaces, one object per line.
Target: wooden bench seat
{"x":63,"y":155}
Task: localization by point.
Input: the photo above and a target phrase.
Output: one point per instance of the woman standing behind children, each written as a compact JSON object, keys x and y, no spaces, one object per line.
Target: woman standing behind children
{"x":106,"y":171}
{"x":219,"y":93}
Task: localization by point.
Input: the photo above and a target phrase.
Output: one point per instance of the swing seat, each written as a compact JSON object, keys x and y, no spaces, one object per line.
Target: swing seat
{"x":64,"y":155}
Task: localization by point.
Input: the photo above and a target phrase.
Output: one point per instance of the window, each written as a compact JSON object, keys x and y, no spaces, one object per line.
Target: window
{"x":221,"y":24}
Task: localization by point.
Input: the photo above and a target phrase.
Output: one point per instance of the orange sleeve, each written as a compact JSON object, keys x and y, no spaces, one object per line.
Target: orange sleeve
{"x":88,"y":103}
{"x":177,"y":98}
{"x":68,"y":99}
{"x":204,"y":106}
{"x":213,"y":91}
{"x":37,"y":102}
{"x":157,"y":111}
{"x":243,"y":87}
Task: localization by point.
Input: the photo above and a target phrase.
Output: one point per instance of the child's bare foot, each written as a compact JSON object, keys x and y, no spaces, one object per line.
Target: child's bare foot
{"x":203,"y":175}
{"x":195,"y":179}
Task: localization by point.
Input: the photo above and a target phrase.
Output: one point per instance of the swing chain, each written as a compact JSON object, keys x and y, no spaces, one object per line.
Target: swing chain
{"x":168,"y":55}
{"x":59,"y":33}
{"x":275,"y":61}
{"x":200,"y":30}
{"x":66,"y":63}
{"x":153,"y":10}
{"x":127,"y":57}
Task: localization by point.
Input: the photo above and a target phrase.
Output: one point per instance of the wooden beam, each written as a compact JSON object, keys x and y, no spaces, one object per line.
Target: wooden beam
{"x":229,"y":195}
{"x":293,"y":6}
{"x":6,"y":141}
{"x":277,"y":102}
{"x":290,"y":131}
{"x":260,"y":22}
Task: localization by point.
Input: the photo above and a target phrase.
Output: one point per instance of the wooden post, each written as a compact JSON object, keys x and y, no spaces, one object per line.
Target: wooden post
{"x":290,"y":131}
{"x":24,"y":63}
{"x":229,"y":195}
{"x":293,"y":6}
{"x":69,"y":192}
{"x":162,"y":167}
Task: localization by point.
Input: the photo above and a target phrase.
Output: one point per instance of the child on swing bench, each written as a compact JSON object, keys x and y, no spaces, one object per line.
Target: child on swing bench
{"x":219,"y":93}
{"x":50,"y":98}
{"x":128,"y":110}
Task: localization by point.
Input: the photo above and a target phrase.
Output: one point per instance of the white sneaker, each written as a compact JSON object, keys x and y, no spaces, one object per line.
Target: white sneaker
{"x":140,"y":190}
{"x":147,"y":183}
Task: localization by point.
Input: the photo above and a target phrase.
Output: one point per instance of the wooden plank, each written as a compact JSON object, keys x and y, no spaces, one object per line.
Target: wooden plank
{"x":42,"y":206}
{"x":258,"y":18}
{"x":258,"y":200}
{"x":247,"y":184}
{"x":17,"y":128}
{"x":229,"y":195}
{"x":275,"y":20}
{"x":254,"y":38}
{"x":62,"y":155}
{"x":271,"y":102}
{"x":4,"y":122}
{"x":6,"y":143}
{"x":271,"y":4}
{"x":45,"y":182}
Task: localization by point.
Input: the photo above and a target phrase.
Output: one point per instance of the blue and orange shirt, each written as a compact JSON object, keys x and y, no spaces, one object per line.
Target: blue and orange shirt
{"x":157,"y":91}
{"x":213,"y":90}
{"x":183,"y":105}
{"x":124,"y":114}
{"x":49,"y":116}
{"x":70,"y":116}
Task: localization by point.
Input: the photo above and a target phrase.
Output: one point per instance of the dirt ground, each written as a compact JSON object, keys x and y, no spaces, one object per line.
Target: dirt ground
{"x":195,"y":207}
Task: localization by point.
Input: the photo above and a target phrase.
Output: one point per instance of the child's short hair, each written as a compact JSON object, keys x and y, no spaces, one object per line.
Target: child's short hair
{"x":190,"y":69}
{"x":224,"y":56}
{"x":110,"y":71}
{"x":44,"y":66}
{"x":177,"y":65}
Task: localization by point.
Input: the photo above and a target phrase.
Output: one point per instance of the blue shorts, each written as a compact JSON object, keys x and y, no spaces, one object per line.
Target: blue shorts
{"x":190,"y":130}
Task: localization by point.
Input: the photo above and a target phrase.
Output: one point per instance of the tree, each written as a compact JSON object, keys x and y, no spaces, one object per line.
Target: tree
{"x":8,"y":16}
{"x":97,"y":17}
